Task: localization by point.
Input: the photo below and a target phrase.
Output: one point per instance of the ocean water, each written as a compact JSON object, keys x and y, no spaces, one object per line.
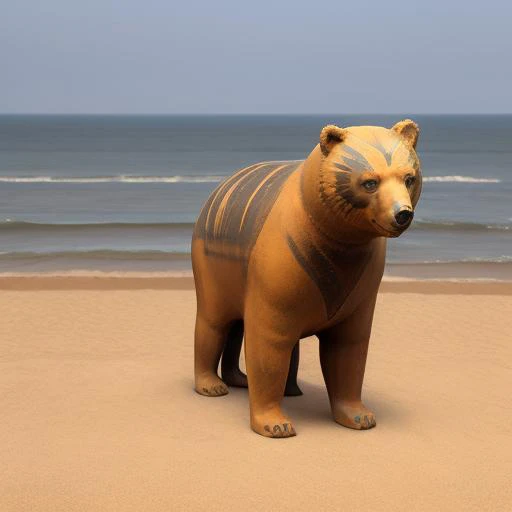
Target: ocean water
{"x":122,"y":192}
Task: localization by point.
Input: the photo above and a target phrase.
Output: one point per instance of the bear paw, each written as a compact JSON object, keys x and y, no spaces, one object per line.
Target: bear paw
{"x":354,"y":415}
{"x":235,"y":378}
{"x":277,"y":426}
{"x":211,"y":385}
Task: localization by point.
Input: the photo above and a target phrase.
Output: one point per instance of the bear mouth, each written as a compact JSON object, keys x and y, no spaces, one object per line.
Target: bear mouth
{"x":391,"y":233}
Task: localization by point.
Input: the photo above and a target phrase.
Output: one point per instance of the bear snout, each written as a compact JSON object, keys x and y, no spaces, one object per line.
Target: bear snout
{"x":404,"y":217}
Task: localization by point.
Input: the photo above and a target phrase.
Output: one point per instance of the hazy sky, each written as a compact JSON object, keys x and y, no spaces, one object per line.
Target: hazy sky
{"x":167,"y":56}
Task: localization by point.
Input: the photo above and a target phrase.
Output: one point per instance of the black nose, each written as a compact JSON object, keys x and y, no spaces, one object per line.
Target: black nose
{"x":403,"y":217}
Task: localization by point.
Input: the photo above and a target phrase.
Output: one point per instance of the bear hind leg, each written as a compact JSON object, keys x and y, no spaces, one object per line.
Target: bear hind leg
{"x":208,"y":345}
{"x":230,"y":365}
{"x":292,"y":388}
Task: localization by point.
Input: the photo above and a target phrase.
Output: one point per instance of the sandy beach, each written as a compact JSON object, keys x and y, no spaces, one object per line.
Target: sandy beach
{"x":99,"y":412}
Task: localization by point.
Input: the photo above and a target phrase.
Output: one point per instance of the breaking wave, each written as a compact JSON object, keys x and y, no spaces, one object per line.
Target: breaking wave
{"x":191,"y":179}
{"x":458,"y":179}
{"x":111,"y":179}
{"x":16,"y":225}
{"x":440,"y":225}
{"x":8,"y":225}
{"x":99,"y":254}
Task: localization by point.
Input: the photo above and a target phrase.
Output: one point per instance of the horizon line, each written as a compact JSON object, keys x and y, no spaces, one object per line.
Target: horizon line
{"x":162,"y":114}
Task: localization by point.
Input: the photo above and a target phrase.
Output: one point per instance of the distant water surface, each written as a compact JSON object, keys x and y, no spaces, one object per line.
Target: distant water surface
{"x":122,"y":192}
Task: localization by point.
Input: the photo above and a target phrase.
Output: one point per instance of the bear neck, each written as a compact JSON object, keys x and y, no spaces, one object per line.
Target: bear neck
{"x":332,"y":228}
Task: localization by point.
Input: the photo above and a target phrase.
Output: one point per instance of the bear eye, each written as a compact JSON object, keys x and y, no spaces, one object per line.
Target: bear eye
{"x":370,"y":185}
{"x":409,"y":181}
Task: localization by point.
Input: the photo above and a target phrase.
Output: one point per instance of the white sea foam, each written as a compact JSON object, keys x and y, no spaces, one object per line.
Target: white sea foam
{"x":111,"y":179}
{"x":192,"y":179}
{"x":459,"y":179}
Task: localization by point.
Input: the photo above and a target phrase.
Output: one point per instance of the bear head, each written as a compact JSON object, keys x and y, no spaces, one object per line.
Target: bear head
{"x":369,"y":178}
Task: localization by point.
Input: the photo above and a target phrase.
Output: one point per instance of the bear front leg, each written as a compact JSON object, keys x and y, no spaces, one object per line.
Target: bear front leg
{"x":343,"y":351}
{"x":233,"y":376}
{"x":267,"y":356}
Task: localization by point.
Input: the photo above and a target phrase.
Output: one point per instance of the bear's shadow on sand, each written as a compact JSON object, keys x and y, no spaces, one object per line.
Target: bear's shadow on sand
{"x":313,"y":406}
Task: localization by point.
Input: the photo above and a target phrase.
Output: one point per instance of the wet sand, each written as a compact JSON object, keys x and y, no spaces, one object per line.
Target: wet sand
{"x":98,"y":410}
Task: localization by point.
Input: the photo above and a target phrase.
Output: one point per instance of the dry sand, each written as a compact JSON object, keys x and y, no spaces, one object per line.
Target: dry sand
{"x":98,"y":411}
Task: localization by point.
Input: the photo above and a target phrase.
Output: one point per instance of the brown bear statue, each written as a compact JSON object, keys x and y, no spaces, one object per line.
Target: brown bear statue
{"x":286,"y":250}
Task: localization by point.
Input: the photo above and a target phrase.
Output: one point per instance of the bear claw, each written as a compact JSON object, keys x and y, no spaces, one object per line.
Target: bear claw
{"x":214,"y":388}
{"x":366,"y":422}
{"x":280,"y":430}
{"x":354,"y":415}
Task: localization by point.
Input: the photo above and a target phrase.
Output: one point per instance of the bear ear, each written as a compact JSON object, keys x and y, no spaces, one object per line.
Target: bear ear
{"x":330,"y":136}
{"x":408,"y":130}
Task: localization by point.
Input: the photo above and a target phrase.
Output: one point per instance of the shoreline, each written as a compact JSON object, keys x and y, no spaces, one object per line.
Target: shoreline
{"x":181,"y":267}
{"x":170,"y":281}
